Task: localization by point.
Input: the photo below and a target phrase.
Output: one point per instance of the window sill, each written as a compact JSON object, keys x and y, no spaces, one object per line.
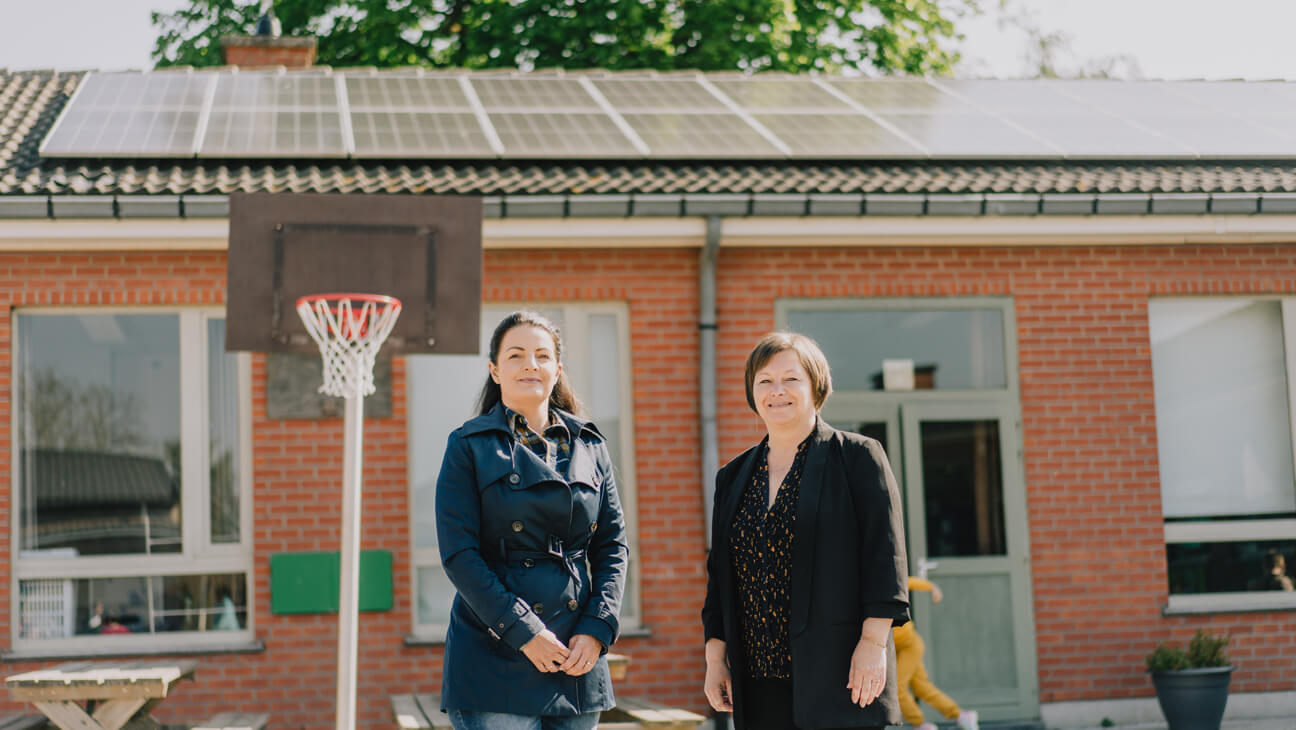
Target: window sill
{"x":22,"y":655}
{"x":1229,"y":603}
{"x":637,"y":632}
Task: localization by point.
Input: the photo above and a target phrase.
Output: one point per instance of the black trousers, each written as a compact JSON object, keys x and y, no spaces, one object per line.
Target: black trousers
{"x":767,"y":705}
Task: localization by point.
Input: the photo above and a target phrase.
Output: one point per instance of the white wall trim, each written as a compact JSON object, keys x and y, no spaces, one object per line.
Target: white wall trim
{"x":1090,"y":713}
{"x":671,"y":232}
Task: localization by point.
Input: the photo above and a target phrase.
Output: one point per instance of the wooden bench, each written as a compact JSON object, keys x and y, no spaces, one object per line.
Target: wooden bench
{"x":419,"y":712}
{"x":23,"y":722}
{"x":423,"y":712}
{"x":232,"y":721}
{"x":636,"y":712}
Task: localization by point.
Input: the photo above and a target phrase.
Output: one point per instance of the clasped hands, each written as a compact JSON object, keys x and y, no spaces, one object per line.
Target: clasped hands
{"x":548,"y":654}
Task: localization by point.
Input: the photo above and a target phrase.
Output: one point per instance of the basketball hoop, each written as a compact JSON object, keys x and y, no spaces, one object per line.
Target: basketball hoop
{"x":350,"y":329}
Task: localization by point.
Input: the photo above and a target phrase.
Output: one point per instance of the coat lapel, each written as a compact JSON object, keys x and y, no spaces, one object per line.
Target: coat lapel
{"x":807,"y":515}
{"x":729,"y":507}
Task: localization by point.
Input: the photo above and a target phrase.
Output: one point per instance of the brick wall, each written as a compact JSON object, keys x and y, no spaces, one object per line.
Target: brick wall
{"x":1088,"y":426}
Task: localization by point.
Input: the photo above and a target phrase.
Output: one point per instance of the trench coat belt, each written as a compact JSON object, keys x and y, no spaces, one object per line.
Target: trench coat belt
{"x":569,"y":558}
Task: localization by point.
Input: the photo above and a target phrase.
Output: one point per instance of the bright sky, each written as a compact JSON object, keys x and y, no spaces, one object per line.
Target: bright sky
{"x":1168,"y":39}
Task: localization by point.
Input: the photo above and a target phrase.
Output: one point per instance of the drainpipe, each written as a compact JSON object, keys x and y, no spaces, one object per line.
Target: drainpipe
{"x":707,"y":364}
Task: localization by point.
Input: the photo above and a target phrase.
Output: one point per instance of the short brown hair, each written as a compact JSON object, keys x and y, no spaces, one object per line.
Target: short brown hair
{"x":808,"y":352}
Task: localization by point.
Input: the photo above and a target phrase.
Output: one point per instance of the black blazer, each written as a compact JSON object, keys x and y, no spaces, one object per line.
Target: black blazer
{"x":848,"y":564}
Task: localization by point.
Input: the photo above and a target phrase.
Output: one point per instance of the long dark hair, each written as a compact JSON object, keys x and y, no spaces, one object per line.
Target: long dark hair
{"x":562,"y":396}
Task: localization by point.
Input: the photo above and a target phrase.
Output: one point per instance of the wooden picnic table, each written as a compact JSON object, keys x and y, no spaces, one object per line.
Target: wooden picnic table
{"x":100,"y":695}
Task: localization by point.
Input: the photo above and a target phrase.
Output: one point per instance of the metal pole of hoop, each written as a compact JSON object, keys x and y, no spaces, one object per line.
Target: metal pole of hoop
{"x":350,"y":329}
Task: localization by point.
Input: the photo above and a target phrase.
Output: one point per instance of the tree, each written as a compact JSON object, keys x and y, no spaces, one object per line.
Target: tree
{"x":872,"y":36}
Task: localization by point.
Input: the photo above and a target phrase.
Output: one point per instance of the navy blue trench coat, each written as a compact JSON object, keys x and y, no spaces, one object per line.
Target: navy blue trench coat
{"x":527,"y":548}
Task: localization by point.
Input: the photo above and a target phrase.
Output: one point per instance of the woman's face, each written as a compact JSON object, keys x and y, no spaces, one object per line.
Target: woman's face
{"x":782,"y":392}
{"x":526,"y":367}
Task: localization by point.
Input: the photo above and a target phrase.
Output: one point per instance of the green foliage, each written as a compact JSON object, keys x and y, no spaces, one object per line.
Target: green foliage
{"x":1106,"y":722}
{"x":1204,"y":650}
{"x":909,"y":36}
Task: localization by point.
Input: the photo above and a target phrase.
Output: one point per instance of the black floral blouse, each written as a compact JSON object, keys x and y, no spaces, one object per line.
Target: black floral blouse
{"x":761,"y":545}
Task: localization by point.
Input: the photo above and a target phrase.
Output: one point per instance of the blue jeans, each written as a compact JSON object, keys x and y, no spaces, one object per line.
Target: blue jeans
{"x":467,"y":720}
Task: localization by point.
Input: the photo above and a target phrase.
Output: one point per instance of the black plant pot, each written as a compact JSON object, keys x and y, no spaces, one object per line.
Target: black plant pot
{"x":1193,"y":699}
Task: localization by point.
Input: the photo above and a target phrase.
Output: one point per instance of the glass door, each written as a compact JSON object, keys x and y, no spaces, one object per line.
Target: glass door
{"x":958,"y":468}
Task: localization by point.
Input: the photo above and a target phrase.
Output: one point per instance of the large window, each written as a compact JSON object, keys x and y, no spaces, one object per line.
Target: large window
{"x":131,"y":462}
{"x":443,"y":391}
{"x":1223,"y":374}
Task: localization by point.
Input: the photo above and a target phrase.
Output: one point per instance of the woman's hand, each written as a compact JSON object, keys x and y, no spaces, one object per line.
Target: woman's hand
{"x":719,"y":683}
{"x":867,"y":672}
{"x":585,"y":650}
{"x":546,"y":652}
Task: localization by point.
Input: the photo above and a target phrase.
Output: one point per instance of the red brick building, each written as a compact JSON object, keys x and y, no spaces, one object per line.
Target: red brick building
{"x":1080,"y":367}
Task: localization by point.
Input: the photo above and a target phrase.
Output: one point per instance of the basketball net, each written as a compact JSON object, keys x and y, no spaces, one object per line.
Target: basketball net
{"x":350,"y":329}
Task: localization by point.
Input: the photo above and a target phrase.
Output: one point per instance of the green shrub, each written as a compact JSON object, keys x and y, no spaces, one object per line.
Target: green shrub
{"x":1204,"y":650}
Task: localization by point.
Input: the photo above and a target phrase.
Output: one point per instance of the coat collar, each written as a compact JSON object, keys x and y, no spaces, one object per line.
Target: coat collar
{"x":494,"y":420}
{"x":807,"y":502}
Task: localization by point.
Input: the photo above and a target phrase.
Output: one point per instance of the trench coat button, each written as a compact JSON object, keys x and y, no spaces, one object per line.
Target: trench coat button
{"x":514,"y":478}
{"x":528,"y":563}
{"x":538,"y":607}
{"x":593,"y":527}
{"x":517,"y":525}
{"x":572,"y":605}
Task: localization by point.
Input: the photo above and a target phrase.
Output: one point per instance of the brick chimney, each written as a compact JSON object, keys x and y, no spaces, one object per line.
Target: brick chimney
{"x":260,"y":51}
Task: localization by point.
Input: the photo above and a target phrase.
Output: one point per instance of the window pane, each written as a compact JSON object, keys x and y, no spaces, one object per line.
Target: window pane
{"x":603,"y":401}
{"x":200,"y":602}
{"x":100,"y":433}
{"x":443,"y":392}
{"x":962,"y":488}
{"x":435,"y":595}
{"x":223,"y":436}
{"x":53,"y":608}
{"x":1223,"y":428}
{"x":950,"y":349}
{"x":1226,"y":567}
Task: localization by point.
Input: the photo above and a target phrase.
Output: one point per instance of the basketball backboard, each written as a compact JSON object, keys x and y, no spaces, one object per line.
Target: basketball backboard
{"x":423,"y":250}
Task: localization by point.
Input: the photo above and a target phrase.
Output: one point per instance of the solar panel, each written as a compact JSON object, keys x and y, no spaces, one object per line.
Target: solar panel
{"x":1222,"y":136}
{"x":533,"y":94}
{"x":413,"y":114}
{"x":132,"y":115}
{"x":783,"y":95}
{"x":406,"y":92}
{"x":657,"y":95}
{"x":1252,"y":98}
{"x":561,"y":135}
{"x":1100,"y":136}
{"x":837,"y":135}
{"x":275,"y":115}
{"x":413,"y":134}
{"x":969,"y":135}
{"x":898,"y":96}
{"x":700,"y":136}
{"x":1014,"y":95}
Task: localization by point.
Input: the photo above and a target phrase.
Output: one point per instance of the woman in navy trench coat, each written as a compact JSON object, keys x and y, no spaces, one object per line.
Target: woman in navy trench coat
{"x":532,"y":535}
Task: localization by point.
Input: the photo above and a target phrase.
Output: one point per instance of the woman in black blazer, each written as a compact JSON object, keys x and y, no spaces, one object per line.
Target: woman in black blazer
{"x":807,"y":571}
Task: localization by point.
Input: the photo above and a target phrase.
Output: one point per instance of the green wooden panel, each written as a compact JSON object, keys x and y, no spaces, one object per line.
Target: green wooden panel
{"x":309,"y":583}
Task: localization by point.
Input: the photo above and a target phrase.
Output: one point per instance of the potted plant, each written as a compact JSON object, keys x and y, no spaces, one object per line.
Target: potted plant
{"x":1192,"y":686}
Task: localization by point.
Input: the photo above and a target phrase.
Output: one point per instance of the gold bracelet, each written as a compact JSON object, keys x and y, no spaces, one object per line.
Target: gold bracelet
{"x":881,"y":644}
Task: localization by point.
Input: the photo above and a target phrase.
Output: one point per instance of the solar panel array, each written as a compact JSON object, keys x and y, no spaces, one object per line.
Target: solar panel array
{"x":397,"y":115}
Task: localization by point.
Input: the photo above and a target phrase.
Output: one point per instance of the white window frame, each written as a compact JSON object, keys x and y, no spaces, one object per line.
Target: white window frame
{"x":199,"y":555}
{"x":576,"y":349}
{"x":1243,"y":530}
